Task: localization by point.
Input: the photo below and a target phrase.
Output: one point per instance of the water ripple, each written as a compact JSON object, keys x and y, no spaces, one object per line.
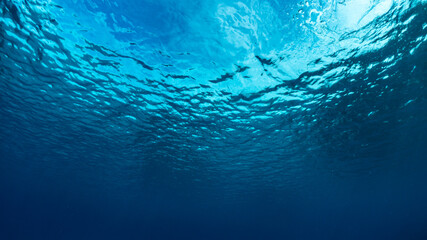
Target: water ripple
{"x":243,"y":88}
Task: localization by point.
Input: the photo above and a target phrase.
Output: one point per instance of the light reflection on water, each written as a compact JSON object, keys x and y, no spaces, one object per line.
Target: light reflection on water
{"x":250,"y":101}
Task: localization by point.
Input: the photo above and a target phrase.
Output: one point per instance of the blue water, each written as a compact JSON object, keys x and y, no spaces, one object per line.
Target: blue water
{"x":258,"y":119}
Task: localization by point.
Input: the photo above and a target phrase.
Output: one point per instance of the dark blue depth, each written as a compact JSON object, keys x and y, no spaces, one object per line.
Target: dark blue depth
{"x":258,"y":119}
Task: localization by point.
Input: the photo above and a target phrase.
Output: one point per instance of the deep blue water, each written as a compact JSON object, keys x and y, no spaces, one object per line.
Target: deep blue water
{"x":258,"y":119}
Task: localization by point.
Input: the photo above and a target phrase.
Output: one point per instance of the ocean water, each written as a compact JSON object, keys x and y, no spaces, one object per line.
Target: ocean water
{"x":214,"y":119}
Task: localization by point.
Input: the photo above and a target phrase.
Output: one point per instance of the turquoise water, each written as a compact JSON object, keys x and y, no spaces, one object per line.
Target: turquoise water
{"x":259,"y":119}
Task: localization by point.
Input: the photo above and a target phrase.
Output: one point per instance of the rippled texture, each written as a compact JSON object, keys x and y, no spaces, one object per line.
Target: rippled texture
{"x":215,"y":119}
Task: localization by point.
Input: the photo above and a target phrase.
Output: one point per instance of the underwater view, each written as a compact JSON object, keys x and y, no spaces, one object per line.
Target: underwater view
{"x":213,"y":119}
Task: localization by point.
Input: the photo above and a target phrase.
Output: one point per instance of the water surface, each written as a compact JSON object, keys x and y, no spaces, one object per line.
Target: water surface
{"x":260,"y":119}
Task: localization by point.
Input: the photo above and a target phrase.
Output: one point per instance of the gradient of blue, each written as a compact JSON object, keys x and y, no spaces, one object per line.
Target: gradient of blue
{"x":151,"y":120}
